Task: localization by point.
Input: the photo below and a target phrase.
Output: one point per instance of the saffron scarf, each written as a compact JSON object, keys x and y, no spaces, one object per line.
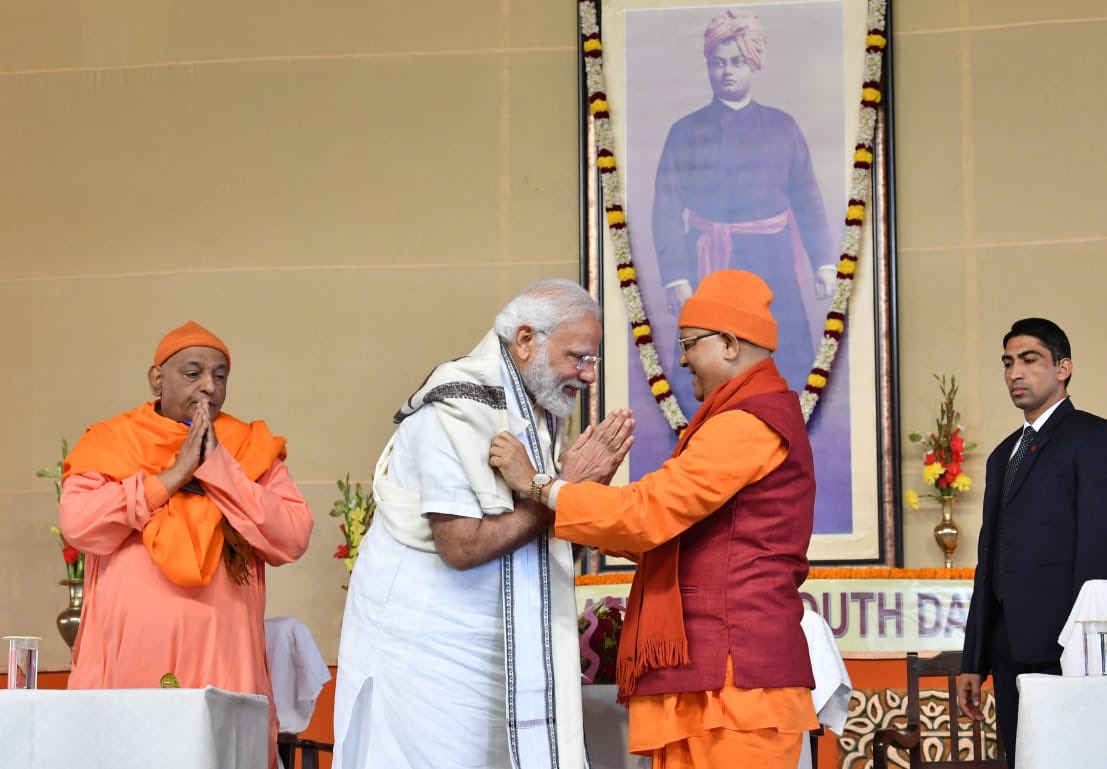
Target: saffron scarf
{"x":189,"y":535}
{"x":653,"y":629}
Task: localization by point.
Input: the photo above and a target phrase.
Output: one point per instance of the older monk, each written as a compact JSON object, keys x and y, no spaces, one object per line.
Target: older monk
{"x":179,"y":507}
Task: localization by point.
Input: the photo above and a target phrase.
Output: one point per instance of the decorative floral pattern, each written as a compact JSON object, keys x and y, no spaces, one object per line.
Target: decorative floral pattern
{"x":870,"y":710}
{"x":860,"y":185}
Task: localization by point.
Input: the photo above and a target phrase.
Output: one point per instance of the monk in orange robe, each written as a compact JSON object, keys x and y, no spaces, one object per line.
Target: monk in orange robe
{"x":712,"y":658}
{"x":178,"y":507}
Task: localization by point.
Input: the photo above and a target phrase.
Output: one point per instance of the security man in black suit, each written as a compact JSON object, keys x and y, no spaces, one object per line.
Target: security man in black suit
{"x":1045,"y":526}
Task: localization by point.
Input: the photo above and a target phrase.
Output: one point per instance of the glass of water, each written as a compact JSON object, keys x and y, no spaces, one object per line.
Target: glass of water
{"x":1095,"y":646}
{"x":22,"y":661}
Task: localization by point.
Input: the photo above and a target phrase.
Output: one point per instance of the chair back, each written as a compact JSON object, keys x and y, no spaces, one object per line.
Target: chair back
{"x":297,"y":753}
{"x":947,"y":666}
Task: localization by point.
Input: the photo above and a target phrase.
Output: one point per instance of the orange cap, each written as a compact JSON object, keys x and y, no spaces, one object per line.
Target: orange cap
{"x":191,"y":334}
{"x":736,"y":301}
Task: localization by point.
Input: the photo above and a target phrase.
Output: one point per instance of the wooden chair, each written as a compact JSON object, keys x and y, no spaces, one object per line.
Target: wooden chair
{"x":945,"y":665}
{"x":289,"y":747}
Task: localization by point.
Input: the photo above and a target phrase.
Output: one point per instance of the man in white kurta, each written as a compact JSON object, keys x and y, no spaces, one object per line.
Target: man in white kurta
{"x":459,"y":642}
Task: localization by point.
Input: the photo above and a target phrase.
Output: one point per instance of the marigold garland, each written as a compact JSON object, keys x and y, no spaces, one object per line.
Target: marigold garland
{"x":843,"y":572}
{"x":834,"y":328}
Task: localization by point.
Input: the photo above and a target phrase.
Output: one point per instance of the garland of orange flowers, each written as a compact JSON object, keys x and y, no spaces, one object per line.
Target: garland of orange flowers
{"x":845,"y":572}
{"x":860,"y":184}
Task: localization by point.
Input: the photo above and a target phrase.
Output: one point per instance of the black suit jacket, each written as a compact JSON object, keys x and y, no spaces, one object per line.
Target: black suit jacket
{"x":1055,"y":536}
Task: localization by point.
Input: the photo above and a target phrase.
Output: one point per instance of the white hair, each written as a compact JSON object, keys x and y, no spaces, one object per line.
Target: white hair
{"x":544,"y":305}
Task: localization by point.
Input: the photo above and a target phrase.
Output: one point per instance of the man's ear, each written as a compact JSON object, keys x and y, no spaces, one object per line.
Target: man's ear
{"x":1064,"y":369}
{"x":526,"y":339}
{"x":731,"y":346}
{"x":153,"y":377}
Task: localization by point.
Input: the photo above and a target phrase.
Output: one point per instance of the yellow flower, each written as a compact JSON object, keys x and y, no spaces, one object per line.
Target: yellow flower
{"x":847,"y":266}
{"x":600,"y":105}
{"x":659,"y":388}
{"x":626,"y":273}
{"x":834,"y":324}
{"x":875,"y":40}
{"x":641,"y":331}
{"x":933,"y":472}
{"x":868,"y":94}
{"x":616,"y":217}
{"x":855,"y":212}
{"x":911,"y":497}
{"x":863,"y":155}
{"x":962,"y":482}
{"x":816,"y":380}
{"x":596,"y":45}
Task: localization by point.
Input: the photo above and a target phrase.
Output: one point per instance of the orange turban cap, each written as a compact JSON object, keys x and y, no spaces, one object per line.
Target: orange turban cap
{"x":191,"y":334}
{"x":736,"y":301}
{"x":745,"y":29}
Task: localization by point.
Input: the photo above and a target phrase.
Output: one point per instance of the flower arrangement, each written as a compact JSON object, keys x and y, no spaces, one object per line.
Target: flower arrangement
{"x":356,"y":511}
{"x":74,"y":558}
{"x":944,"y":450}
{"x":599,"y":627}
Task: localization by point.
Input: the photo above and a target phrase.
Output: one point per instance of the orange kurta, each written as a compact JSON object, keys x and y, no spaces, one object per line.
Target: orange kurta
{"x":136,"y":624}
{"x":729,"y":452}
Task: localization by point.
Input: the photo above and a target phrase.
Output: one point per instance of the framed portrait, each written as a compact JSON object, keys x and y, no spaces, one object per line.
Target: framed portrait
{"x":734,"y":129}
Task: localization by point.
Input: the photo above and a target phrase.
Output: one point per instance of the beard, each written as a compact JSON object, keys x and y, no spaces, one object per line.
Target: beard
{"x":546,"y":388}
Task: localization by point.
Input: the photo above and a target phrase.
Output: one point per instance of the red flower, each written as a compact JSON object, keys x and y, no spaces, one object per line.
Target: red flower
{"x":956,"y":442}
{"x":929,"y":459}
{"x":343,"y":551}
{"x":70,"y":553}
{"x":952,"y":471}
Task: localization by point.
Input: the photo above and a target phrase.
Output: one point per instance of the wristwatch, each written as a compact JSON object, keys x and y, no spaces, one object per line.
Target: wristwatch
{"x":539,"y":482}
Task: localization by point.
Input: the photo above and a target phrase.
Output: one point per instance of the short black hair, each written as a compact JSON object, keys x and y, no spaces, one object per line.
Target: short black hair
{"x":1048,"y":333}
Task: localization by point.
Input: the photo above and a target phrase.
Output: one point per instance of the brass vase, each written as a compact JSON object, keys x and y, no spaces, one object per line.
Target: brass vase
{"x":947,"y":531}
{"x":70,"y":618}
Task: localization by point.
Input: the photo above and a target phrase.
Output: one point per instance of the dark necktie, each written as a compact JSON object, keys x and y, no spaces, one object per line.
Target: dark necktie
{"x":1008,"y":488}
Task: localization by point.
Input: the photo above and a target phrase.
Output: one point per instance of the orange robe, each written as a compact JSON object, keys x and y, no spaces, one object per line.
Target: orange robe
{"x":136,"y":624}
{"x":730,"y":451}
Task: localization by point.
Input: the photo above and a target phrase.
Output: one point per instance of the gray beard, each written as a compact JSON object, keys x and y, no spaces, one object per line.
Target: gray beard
{"x":544,"y":386}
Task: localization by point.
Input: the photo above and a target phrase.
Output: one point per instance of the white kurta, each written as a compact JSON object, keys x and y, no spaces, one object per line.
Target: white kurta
{"x":421,"y":678}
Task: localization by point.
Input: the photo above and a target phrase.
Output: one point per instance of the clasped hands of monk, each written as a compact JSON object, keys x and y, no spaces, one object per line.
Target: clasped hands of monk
{"x":199,"y":444}
{"x":594,"y":456}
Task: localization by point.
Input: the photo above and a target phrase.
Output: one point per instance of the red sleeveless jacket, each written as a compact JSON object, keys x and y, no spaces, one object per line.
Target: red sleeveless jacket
{"x":740,"y":570}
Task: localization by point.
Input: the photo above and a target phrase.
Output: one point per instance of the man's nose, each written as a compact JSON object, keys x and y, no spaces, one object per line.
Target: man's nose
{"x":587,"y":374}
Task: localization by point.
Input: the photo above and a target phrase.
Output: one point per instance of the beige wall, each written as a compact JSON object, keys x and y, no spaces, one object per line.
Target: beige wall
{"x":346,"y":191}
{"x":1000,"y":106}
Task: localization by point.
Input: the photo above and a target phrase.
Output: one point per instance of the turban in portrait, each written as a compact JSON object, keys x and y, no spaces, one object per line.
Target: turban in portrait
{"x":745,"y":29}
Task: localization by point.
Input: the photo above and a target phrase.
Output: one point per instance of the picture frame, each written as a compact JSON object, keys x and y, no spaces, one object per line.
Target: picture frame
{"x":647,"y":91}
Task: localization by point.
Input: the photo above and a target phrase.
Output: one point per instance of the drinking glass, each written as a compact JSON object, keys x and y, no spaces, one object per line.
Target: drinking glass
{"x":22,"y":661}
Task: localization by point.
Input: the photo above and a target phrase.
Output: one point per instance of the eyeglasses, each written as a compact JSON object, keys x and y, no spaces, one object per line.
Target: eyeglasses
{"x":584,"y":361}
{"x":688,"y":342}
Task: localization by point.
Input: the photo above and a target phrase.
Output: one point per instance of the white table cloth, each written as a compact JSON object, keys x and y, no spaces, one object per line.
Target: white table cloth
{"x":298,"y":671}
{"x":605,"y":721}
{"x":1061,"y":722}
{"x":1091,"y":608}
{"x":134,"y":729}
